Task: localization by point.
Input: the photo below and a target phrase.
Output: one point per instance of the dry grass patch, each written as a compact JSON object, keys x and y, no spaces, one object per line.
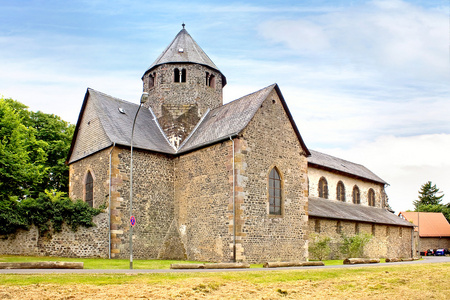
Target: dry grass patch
{"x":427,"y":281}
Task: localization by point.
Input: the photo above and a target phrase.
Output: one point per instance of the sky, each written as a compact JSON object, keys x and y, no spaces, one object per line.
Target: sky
{"x":366,"y":81}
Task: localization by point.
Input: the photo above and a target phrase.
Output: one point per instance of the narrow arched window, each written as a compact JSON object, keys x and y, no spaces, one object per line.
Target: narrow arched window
{"x":176,"y":75}
{"x":323,"y":188}
{"x":89,"y":190}
{"x":207,"y":79}
{"x":371,"y":197}
{"x":356,"y":195}
{"x":183,"y":75}
{"x":274,"y":192}
{"x":212,"y":81}
{"x":340,"y":191}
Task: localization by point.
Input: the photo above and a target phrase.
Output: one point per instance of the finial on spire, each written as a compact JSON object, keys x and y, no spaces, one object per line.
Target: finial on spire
{"x":183,"y":25}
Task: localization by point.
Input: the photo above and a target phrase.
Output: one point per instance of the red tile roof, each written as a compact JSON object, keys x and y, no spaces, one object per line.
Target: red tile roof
{"x":431,"y":224}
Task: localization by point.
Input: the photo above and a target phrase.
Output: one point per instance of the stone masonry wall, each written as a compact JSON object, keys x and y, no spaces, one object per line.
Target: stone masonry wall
{"x":314,"y":175}
{"x":434,"y":243}
{"x":203,"y":198}
{"x":193,"y":91}
{"x":98,"y":165}
{"x":387,"y":241}
{"x":85,"y":242}
{"x":152,"y":203}
{"x":269,"y":141}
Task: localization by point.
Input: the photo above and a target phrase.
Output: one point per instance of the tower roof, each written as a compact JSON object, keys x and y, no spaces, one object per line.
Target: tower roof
{"x":183,"y":49}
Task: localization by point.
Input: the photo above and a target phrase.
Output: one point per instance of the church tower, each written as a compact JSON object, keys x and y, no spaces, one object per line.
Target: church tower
{"x":183,"y":83}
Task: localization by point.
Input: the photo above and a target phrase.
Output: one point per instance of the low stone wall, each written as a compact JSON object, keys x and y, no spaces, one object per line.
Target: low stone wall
{"x":434,"y":243}
{"x":85,"y":242}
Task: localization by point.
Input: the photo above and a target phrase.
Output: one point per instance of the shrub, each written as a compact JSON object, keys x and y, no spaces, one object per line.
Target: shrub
{"x":319,"y":246}
{"x":353,"y":246}
{"x":47,"y":212}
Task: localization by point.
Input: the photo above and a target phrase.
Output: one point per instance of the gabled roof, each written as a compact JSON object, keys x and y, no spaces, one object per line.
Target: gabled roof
{"x":217,"y":125}
{"x":183,"y":49}
{"x":431,"y":224}
{"x":231,"y":118}
{"x":118,"y":126}
{"x":332,"y":163}
{"x":331,"y":209}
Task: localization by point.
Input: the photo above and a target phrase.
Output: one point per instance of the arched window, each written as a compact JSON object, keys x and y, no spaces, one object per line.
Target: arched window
{"x":274,"y":192}
{"x":151,"y":80}
{"x":340,"y":191}
{"x":183,"y":75}
{"x":323,"y":188}
{"x":371,"y":197}
{"x":212,"y":81}
{"x":176,"y":75}
{"x":89,"y":190}
{"x":356,"y":195}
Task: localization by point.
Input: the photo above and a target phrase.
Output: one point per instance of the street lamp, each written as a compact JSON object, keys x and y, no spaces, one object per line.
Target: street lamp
{"x":144,"y":99}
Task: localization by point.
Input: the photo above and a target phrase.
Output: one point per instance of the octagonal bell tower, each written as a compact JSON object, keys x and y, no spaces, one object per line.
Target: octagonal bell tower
{"x":183,"y":83}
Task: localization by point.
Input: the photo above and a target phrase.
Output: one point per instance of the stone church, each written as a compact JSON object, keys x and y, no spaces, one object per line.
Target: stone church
{"x":215,"y":182}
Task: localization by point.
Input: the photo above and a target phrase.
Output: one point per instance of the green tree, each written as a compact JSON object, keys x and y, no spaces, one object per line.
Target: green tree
{"x":37,"y":138}
{"x":428,"y":195}
{"x":22,"y":157}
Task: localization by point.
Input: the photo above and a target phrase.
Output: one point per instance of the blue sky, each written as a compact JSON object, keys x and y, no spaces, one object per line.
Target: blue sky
{"x":367,"y":81}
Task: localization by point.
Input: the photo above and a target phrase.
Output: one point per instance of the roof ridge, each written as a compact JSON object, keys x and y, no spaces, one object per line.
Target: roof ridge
{"x":112,"y":97}
{"x":240,"y":98}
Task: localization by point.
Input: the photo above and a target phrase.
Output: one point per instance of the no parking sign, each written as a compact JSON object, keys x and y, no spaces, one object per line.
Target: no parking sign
{"x":132,"y":221}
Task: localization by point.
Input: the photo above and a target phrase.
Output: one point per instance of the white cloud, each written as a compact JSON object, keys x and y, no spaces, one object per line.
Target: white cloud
{"x":405,"y":163}
{"x":406,"y":40}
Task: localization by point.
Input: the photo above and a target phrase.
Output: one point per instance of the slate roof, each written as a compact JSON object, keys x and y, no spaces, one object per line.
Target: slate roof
{"x":331,"y":209}
{"x":118,"y":126}
{"x":227,"y":120}
{"x":191,"y":53}
{"x":337,"y":164}
{"x":217,"y":125}
{"x":432,"y":224}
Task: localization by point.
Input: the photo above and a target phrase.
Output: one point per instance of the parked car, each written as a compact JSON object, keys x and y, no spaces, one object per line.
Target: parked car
{"x":430,"y":252}
{"x":440,"y":252}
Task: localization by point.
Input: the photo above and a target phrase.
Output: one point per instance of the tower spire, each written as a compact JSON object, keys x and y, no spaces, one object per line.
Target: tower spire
{"x":183,"y":25}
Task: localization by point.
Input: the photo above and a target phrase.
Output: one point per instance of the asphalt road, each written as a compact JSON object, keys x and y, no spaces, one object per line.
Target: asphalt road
{"x":426,"y":259}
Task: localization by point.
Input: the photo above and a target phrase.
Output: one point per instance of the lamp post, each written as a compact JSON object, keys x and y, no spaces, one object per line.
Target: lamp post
{"x":144,"y":99}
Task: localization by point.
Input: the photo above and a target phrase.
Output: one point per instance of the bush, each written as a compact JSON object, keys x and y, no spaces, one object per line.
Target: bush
{"x":319,"y":246}
{"x":47,"y":212}
{"x":353,"y":246}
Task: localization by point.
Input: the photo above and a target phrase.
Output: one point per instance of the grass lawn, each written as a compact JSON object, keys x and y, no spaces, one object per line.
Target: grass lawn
{"x":423,"y":281}
{"x":100,"y":263}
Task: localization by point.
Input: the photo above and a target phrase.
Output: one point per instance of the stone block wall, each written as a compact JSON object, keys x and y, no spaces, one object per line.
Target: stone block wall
{"x":203,"y":201}
{"x":434,"y":243}
{"x":85,"y":242}
{"x":314,"y":175}
{"x":387,"y":240}
{"x":153,"y":206}
{"x":269,"y":141}
{"x":193,"y":91}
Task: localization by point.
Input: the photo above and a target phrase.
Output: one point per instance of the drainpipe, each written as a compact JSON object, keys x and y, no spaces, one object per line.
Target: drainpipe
{"x":234,"y":207}
{"x":109,"y":205}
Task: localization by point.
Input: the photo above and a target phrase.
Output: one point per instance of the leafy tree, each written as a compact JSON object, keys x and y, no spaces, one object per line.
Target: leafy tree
{"x":22,"y":157}
{"x":353,"y":246}
{"x":428,"y":195}
{"x":319,"y":246}
{"x":33,"y":150}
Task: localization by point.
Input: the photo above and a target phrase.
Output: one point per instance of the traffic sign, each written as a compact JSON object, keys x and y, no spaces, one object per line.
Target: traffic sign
{"x":132,"y":220}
